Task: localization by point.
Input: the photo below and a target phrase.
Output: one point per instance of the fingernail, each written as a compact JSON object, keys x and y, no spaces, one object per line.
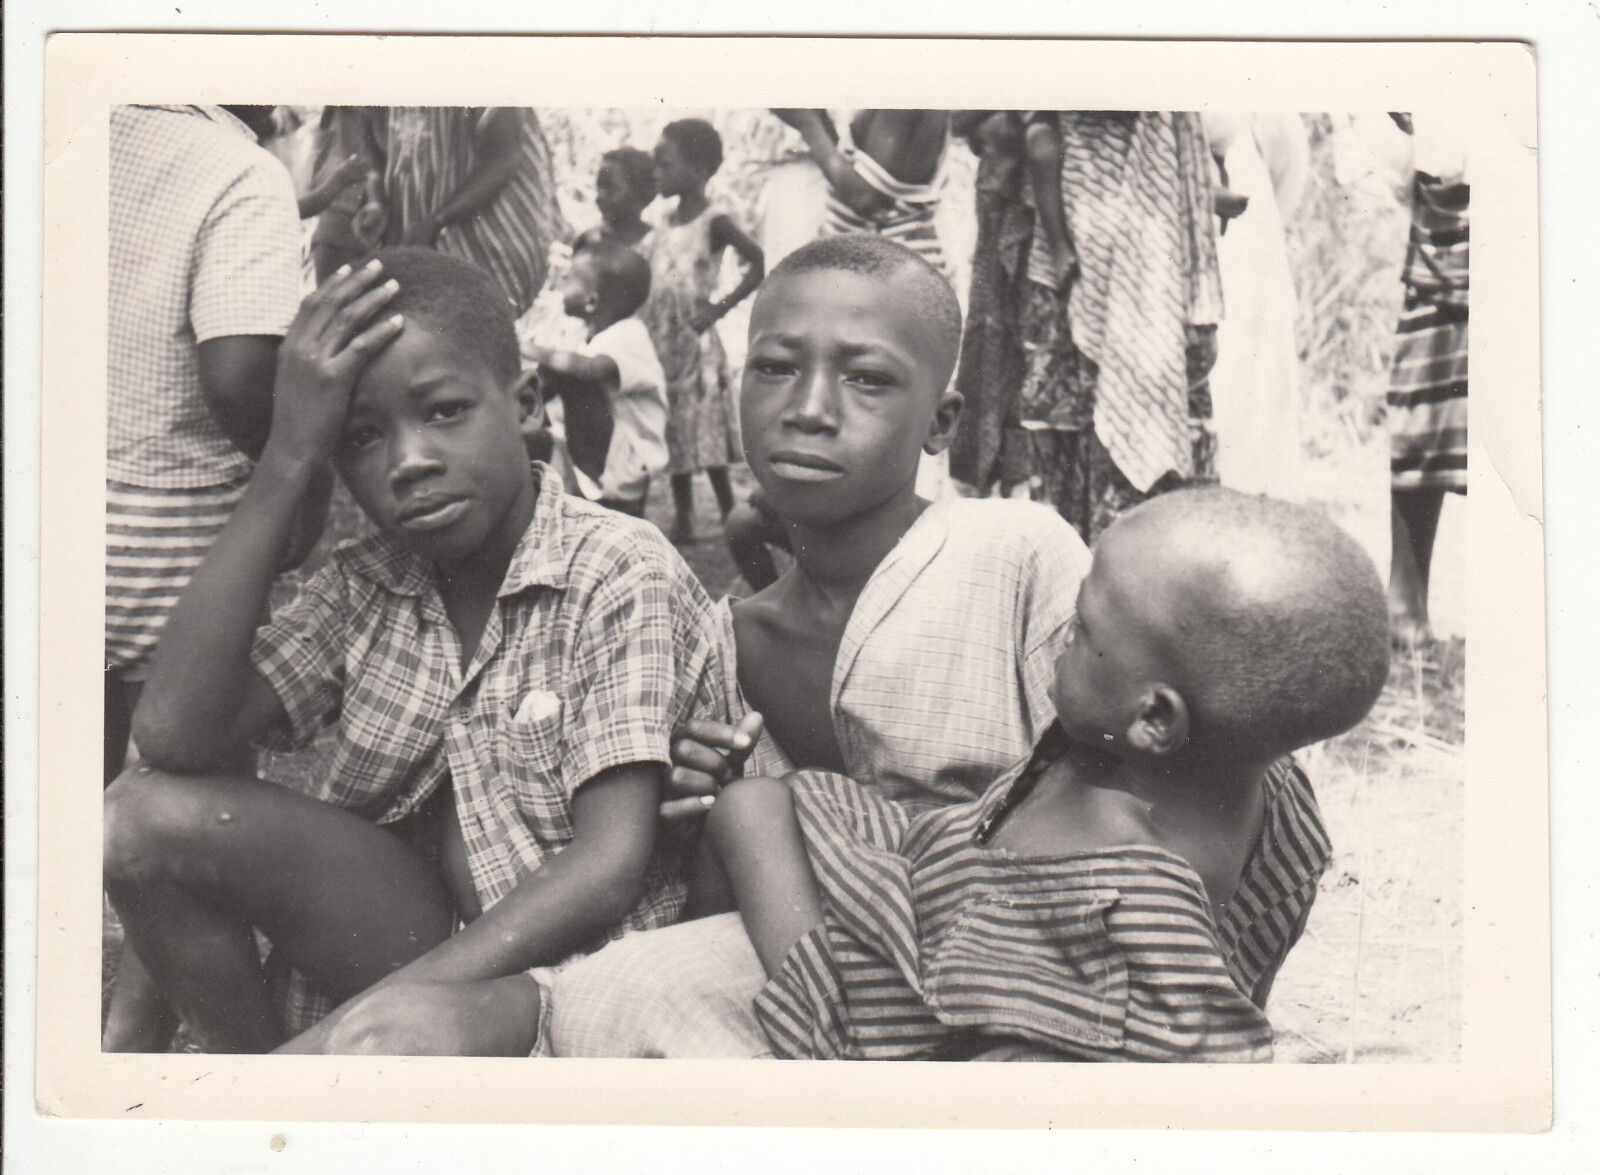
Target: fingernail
{"x":342,"y":271}
{"x":374,"y":264}
{"x":391,"y":285}
{"x":707,"y":801}
{"x":742,"y":741}
{"x":398,"y":320}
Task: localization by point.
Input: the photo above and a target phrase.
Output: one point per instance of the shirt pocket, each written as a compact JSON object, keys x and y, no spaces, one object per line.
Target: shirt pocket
{"x":1037,"y":965}
{"x":530,"y":744}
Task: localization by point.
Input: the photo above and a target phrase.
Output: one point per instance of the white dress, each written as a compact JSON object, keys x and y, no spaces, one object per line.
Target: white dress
{"x":1255,"y":384}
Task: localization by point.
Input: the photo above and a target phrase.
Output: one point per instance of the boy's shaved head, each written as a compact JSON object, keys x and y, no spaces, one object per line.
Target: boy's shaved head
{"x":1277,"y":624}
{"x":919,"y":284}
{"x":461,"y":302}
{"x":638,"y":171}
{"x":623,"y":276}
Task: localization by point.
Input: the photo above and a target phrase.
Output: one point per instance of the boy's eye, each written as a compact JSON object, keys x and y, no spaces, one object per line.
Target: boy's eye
{"x":448,"y":410}
{"x":772,"y":368}
{"x":870,"y":379}
{"x":360,"y":437}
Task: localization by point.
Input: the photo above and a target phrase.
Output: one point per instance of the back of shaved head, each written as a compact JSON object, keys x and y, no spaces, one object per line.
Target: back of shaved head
{"x":1279,"y":624}
{"x":925,"y":291}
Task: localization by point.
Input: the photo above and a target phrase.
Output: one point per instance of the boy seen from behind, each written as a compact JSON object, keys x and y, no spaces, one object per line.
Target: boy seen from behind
{"x":504,"y":663}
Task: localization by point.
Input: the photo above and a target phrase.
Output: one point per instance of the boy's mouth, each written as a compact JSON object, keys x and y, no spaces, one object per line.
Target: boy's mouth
{"x":794,"y":465}
{"x":432,"y":514}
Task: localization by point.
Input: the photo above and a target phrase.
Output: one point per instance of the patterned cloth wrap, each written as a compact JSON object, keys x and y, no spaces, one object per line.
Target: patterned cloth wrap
{"x":933,"y":943}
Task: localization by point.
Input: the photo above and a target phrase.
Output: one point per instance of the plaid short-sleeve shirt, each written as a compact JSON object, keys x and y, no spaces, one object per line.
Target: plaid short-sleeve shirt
{"x":204,"y":244}
{"x":599,"y":644}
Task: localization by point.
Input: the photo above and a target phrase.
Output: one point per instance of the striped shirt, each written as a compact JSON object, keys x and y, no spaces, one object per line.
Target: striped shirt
{"x":431,"y":150}
{"x":204,"y":244}
{"x":933,"y":943}
{"x":908,"y":219}
{"x":599,"y":645}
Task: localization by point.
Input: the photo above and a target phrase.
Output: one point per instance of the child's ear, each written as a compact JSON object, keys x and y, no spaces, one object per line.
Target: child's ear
{"x":945,"y":419}
{"x":530,"y":400}
{"x":1162,"y":724}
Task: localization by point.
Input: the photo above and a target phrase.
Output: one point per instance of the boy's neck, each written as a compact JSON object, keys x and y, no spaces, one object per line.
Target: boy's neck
{"x":690,"y":205}
{"x":601,"y":320}
{"x":1183,"y":785}
{"x":837,"y":561}
{"x":479,"y":575}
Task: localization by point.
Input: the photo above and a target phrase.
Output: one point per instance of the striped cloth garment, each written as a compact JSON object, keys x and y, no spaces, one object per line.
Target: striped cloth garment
{"x":431,"y":150}
{"x":1136,"y":189}
{"x":155,"y":540}
{"x":934,"y":945}
{"x":908,"y":220}
{"x":1427,"y":398}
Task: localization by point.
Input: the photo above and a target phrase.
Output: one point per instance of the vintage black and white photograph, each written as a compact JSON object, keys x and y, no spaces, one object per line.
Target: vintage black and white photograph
{"x":749,"y":582}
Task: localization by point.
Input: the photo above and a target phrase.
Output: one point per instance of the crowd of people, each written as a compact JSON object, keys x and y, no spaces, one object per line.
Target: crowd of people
{"x":944,"y":784}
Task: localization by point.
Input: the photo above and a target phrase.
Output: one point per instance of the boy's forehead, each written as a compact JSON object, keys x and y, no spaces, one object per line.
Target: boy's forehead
{"x":832,"y":287}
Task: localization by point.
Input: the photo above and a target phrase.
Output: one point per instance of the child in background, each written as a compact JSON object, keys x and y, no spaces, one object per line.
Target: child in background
{"x":612,"y":388}
{"x":503,"y":662}
{"x":686,"y":250}
{"x":1129,"y":891}
{"x":623,"y":188}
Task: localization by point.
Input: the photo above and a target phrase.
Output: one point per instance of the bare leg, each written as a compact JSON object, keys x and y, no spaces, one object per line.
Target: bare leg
{"x":683,"y":507}
{"x":756,"y":836}
{"x":722,"y":488}
{"x":1413,"y":525}
{"x":193,"y":863}
{"x":138,"y":1020}
{"x":747,"y":543}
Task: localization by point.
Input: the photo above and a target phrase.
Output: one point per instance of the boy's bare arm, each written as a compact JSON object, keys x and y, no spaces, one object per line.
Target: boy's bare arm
{"x":236,"y":378}
{"x":599,"y":372}
{"x":580,"y":893}
{"x":204,"y":698}
{"x":756,"y":836}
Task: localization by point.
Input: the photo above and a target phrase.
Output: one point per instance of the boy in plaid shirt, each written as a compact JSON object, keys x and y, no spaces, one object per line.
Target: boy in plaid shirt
{"x":505,"y":665}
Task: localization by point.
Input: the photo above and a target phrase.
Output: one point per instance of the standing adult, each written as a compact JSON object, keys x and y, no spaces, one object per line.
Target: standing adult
{"x":1427,"y":399}
{"x":476,"y":182}
{"x":204,"y":279}
{"x":1265,"y":160}
{"x":1124,"y":298}
{"x":990,"y":446}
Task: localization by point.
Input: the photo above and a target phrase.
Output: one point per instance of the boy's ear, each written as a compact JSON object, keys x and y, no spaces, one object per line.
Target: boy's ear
{"x":1162,"y":723}
{"x":945,"y":419}
{"x":530,"y":400}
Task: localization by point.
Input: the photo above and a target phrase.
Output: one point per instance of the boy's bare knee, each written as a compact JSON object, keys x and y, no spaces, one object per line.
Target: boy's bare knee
{"x":753,"y":798}
{"x":148,"y":813}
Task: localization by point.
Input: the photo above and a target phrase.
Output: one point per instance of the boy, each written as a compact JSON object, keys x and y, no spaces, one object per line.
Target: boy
{"x":505,"y":664}
{"x":1129,"y":891}
{"x":909,"y":647}
{"x":623,"y":188}
{"x":615,"y":379}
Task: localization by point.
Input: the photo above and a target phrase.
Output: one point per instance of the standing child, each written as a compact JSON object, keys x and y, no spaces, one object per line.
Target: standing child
{"x":612,"y":388}
{"x":686,"y":250}
{"x":623,"y":188}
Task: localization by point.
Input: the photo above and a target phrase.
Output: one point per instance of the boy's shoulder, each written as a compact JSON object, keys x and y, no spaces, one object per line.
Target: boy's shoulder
{"x":598,"y":542}
{"x":1003,"y":526}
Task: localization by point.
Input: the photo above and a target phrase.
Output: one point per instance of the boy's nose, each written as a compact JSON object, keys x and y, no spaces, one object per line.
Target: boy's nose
{"x":410,"y":458}
{"x":814,"y":406}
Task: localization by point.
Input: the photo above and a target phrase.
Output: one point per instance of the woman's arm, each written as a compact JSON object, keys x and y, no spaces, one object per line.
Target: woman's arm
{"x":495,"y":142}
{"x":815,"y":128}
{"x":1044,"y":174}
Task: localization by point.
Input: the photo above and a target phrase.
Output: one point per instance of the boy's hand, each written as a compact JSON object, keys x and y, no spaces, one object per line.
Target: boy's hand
{"x":706,"y":756}
{"x":338,"y":330}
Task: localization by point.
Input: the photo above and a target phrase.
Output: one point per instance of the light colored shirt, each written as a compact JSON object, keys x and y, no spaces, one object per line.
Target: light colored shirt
{"x":204,"y":244}
{"x":599,"y":644}
{"x":638,"y":410}
{"x":942,"y":678}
